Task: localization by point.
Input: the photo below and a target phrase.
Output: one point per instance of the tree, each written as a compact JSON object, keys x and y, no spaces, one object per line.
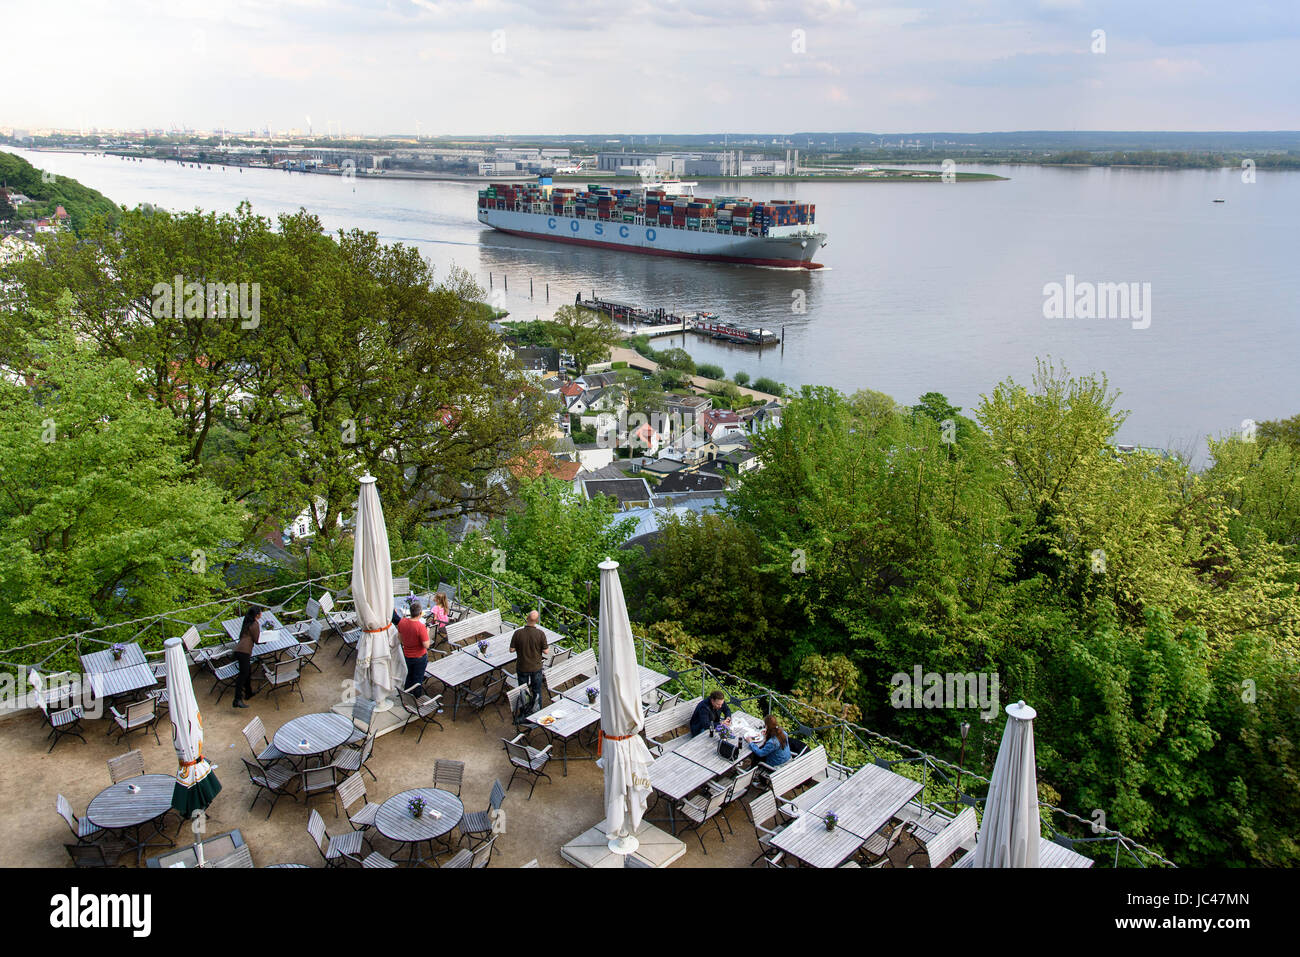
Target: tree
{"x":7,"y":211}
{"x":770,"y":386}
{"x":741,"y":378}
{"x":101,"y":519}
{"x":678,"y":360}
{"x":585,"y":334}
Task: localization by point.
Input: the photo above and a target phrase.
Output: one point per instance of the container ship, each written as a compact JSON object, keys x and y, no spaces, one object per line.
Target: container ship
{"x":658,"y":220}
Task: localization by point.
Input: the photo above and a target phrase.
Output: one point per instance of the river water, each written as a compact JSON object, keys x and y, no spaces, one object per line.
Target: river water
{"x":927,"y":286}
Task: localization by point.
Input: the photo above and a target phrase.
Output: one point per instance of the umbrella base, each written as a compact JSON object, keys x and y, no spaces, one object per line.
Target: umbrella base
{"x":623,"y":845}
{"x":591,"y":848}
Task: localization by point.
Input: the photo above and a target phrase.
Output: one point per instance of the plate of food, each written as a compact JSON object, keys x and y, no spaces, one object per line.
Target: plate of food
{"x":549,"y":719}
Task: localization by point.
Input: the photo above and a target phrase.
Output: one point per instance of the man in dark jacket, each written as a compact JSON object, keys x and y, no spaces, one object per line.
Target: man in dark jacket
{"x":529,"y":645}
{"x":712,"y":710}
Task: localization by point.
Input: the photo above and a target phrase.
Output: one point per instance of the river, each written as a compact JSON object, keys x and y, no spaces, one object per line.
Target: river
{"x":927,"y":286}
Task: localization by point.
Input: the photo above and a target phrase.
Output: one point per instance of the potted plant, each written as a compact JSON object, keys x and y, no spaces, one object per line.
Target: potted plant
{"x":117,"y":649}
{"x":591,"y":695}
{"x":723,"y":731}
{"x":416,"y":806}
{"x":482,"y":647}
{"x":831,"y":820}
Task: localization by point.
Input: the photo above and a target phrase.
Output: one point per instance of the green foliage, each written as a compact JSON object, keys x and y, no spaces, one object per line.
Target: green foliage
{"x":101,"y":519}
{"x":710,"y":371}
{"x":741,"y":378}
{"x":81,"y":203}
{"x":584,"y":333}
{"x":770,"y":386}
{"x":676,"y":359}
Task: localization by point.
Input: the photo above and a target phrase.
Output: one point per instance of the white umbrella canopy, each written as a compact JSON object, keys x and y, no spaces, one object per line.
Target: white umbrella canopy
{"x":1011,"y":829}
{"x":196,"y":782}
{"x":624,"y":756}
{"x":381,"y":667}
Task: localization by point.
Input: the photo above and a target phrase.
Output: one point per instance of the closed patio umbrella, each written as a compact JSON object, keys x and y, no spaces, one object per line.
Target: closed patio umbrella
{"x":196,"y":782}
{"x":624,"y":756}
{"x":381,"y":667}
{"x":1010,"y":831}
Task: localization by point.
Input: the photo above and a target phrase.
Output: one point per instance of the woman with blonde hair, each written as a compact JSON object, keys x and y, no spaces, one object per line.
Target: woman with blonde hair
{"x":441,"y":614}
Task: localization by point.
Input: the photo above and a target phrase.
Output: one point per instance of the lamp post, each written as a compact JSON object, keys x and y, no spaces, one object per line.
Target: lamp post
{"x":961,"y":761}
{"x":307,"y":549}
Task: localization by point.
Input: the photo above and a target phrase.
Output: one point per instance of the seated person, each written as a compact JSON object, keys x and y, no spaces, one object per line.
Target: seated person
{"x":775,"y":749}
{"x":709,"y":712}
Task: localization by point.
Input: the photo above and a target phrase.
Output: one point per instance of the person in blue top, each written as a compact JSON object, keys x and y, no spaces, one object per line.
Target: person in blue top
{"x":775,"y":749}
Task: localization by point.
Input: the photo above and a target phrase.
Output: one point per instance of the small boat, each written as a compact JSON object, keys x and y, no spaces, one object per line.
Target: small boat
{"x":1218,"y":200}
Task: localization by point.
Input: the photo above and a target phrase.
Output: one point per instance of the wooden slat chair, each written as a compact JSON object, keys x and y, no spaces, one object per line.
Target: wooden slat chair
{"x":881,"y":843}
{"x":305,"y":651}
{"x":239,"y":857}
{"x":665,"y":727}
{"x":348,"y":634}
{"x":448,"y":775}
{"x":88,"y":855}
{"x":767,"y":824}
{"x":578,"y":668}
{"x":272,"y":781}
{"x":313,"y":782}
{"x":264,"y":752}
{"x":375,"y":860}
{"x":349,"y":760}
{"x":700,"y":810}
{"x":286,"y":673}
{"x":139,"y":715}
{"x":352,"y":790}
{"x":424,"y":709}
{"x":224,"y":675}
{"x":490,"y":694}
{"x":81,"y":828}
{"x":61,"y":716}
{"x":479,"y":857}
{"x":476,"y":826}
{"x":942,"y":836}
{"x":521,"y":722}
{"x":363,"y":720}
{"x":342,"y":847}
{"x":460,"y":633}
{"x":735,"y":788}
{"x":129,"y":765}
{"x":524,"y":757}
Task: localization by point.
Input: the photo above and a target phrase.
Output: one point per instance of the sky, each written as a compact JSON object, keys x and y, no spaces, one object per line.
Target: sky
{"x":448,"y":67}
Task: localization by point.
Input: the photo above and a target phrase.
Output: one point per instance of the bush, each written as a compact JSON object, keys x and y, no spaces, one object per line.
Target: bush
{"x":770,"y":386}
{"x":741,"y":378}
{"x":710,"y":371}
{"x":678,"y":359}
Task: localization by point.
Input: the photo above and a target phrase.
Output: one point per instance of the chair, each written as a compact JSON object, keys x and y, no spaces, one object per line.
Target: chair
{"x":286,"y":673}
{"x":342,"y":847}
{"x":477,"y":858}
{"x":448,"y":775}
{"x":559,"y":657}
{"x":941,"y":837}
{"x":425,"y":708}
{"x":762,"y":810}
{"x":88,"y":855}
{"x":314,"y":781}
{"x":528,"y":759}
{"x":142,"y":714}
{"x":520,"y":721}
{"x":880,"y":844}
{"x":363,"y":720}
{"x":375,"y":859}
{"x":129,"y":765}
{"x":532,"y":863}
{"x":223,"y":676}
{"x":305,"y":652}
{"x":401,"y":587}
{"x":348,"y":639}
{"x":352,"y":790}
{"x":62,"y":722}
{"x":476,"y":826}
{"x":160,"y":697}
{"x":239,"y":857}
{"x":489,"y":694}
{"x":700,"y":810}
{"x":81,"y":828}
{"x":736,"y":788}
{"x":271,"y":781}
{"x":264,"y":752}
{"x":355,"y":760}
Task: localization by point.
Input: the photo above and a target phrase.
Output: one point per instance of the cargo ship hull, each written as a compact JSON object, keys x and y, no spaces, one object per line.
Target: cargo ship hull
{"x":794,"y":251}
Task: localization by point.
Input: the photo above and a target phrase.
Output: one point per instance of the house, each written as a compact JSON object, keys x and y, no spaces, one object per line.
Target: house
{"x":661,"y":467}
{"x":597,"y":380}
{"x":687,"y":408}
{"x":626,"y":492}
{"x":537,"y":360}
{"x":687,"y":481}
{"x":719,"y":423}
{"x":593,"y":456}
{"x":766,"y":417}
{"x":541,"y":462}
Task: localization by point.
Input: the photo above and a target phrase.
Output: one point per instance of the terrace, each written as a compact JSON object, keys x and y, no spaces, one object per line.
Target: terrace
{"x":536,"y":828}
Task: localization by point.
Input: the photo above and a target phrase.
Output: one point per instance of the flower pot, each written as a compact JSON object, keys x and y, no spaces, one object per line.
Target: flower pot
{"x":417,"y":813}
{"x":591,"y":699}
{"x":117,"y":656}
{"x":830,"y":825}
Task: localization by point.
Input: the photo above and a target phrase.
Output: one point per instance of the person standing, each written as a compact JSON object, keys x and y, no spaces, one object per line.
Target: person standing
{"x":249,"y":631}
{"x":529,"y":645}
{"x":415,"y":646}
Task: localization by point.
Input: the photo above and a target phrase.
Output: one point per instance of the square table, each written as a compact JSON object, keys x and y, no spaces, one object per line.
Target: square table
{"x":498,"y":651}
{"x":274,"y":642}
{"x":868,"y":799}
{"x":650,"y":680}
{"x":214,"y":849}
{"x":267,"y":620}
{"x":807,"y":839}
{"x":676,"y":778}
{"x":456,"y":671}
{"x":571,"y":718}
{"x":101,"y":661}
{"x":120,"y":681}
{"x":703,"y":750}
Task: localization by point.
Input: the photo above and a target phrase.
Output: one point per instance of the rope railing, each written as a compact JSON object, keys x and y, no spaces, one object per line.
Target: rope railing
{"x":855,"y":745}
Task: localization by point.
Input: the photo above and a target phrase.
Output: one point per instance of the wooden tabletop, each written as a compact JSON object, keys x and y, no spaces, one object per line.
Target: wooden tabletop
{"x":703,"y":750}
{"x":649,"y":681}
{"x":117,"y":806}
{"x":268,"y":621}
{"x":570,"y":717}
{"x":498,"y":651}
{"x":99,"y":662}
{"x":323,"y":732}
{"x":108,"y":684}
{"x":394,"y":820}
{"x":458,"y":668}
{"x":867,"y":800}
{"x":676,"y":777}
{"x":807,"y":839}
{"x":280,"y":640}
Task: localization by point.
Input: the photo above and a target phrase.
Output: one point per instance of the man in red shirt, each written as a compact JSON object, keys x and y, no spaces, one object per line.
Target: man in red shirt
{"x":415,"y":646}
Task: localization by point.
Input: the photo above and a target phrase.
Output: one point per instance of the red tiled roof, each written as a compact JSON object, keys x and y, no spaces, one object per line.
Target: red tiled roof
{"x":571,"y":389}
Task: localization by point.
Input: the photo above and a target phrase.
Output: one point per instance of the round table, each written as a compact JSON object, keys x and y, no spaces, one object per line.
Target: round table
{"x":322,"y":732}
{"x":118,"y":808}
{"x":394,"y":820}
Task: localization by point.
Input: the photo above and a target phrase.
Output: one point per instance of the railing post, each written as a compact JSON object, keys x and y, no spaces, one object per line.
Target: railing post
{"x":844,"y":730}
